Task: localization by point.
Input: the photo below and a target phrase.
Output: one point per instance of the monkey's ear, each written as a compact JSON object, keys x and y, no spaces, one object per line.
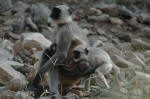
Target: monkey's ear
{"x":86,"y":51}
{"x":70,"y":11}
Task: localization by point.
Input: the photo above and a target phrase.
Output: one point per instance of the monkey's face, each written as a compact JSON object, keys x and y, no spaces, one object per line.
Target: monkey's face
{"x":80,"y":53}
{"x":61,"y":14}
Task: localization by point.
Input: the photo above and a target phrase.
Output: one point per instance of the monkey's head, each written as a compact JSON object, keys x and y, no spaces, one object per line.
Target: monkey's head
{"x":61,"y":14}
{"x":80,"y":52}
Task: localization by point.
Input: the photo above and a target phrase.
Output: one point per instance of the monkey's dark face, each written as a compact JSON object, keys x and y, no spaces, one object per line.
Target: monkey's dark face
{"x":55,"y":13}
{"x":80,"y":53}
{"x":61,"y":14}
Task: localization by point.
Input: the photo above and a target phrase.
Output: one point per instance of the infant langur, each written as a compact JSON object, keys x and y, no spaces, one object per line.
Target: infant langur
{"x":95,"y":57}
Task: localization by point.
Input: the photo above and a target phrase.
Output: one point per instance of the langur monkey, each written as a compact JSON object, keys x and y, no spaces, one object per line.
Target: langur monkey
{"x":67,"y":35}
{"x":96,"y":57}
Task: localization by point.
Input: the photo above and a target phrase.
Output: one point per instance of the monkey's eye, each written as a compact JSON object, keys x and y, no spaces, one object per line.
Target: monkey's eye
{"x":76,"y":54}
{"x":86,"y":51}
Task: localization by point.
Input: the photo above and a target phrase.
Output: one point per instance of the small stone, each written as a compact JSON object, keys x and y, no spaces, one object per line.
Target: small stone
{"x":139,"y":44}
{"x":17,"y":47}
{"x":6,"y":4}
{"x":14,"y":64}
{"x":94,"y":11}
{"x":98,"y":43}
{"x":16,"y":84}
{"x":110,"y":9}
{"x":144,"y":18}
{"x":125,"y":13}
{"x":19,"y":7}
{"x":123,"y":63}
{"x":125,"y":37}
{"x":98,"y":19}
{"x":8,"y":45}
{"x":115,"y":20}
{"x":101,"y":31}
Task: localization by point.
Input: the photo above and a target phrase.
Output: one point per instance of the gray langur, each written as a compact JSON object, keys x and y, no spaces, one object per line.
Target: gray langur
{"x":96,"y":57}
{"x":67,"y":36}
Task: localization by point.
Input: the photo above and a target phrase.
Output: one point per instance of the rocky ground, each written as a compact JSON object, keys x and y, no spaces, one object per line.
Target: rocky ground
{"x":122,"y":29}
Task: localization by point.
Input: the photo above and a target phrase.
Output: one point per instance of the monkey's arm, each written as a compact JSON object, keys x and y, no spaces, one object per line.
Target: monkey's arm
{"x":64,"y":42}
{"x":88,"y":71}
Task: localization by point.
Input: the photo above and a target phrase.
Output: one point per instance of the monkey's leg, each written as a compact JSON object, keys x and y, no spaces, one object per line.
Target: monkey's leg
{"x":53,"y":81}
{"x":47,"y":53}
{"x":100,"y":73}
{"x":87,"y":84}
{"x":117,"y":73}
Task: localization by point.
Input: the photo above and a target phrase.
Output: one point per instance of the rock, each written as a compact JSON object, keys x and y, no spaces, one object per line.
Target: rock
{"x":135,"y":97}
{"x":19,"y":7}
{"x":136,"y":92}
{"x":134,"y":24}
{"x":144,"y":18}
{"x":143,"y":76}
{"x":18,"y":46}
{"x":139,"y":44}
{"x":8,"y":73}
{"x":8,"y":45}
{"x":5,"y":55}
{"x":117,"y":21}
{"x":6,"y":4}
{"x":14,"y":95}
{"x":79,"y":13}
{"x":33,"y":72}
{"x":35,"y":40}
{"x":13,"y":36}
{"x":125,"y":46}
{"x":16,"y":84}
{"x":110,"y":48}
{"x":40,"y":13}
{"x":14,"y":64}
{"x":31,"y":25}
{"x":101,"y":31}
{"x":17,"y":24}
{"x":7,"y":95}
{"x":145,"y":31}
{"x":94,"y":11}
{"x":125,"y":37}
{"x":36,"y":56}
{"x":125,"y":13}
{"x":123,"y":63}
{"x":22,"y":95}
{"x":110,"y":9}
{"x":3,"y":89}
{"x":98,"y":19}
{"x":137,"y":60}
{"x":98,"y":43}
{"x":7,"y":29}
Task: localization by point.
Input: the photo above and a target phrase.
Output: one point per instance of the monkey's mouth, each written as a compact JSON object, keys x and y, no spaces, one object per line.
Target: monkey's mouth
{"x":83,"y":65}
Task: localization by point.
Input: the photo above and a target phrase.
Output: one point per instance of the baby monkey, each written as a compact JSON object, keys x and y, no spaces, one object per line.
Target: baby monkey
{"x":97,"y":58}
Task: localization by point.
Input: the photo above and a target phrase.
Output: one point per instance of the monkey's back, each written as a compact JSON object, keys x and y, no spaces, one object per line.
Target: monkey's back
{"x":75,"y":34}
{"x":98,"y":56}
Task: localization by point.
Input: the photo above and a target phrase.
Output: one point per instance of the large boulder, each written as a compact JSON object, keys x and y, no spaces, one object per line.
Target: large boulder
{"x":35,"y":40}
{"x":7,"y":73}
